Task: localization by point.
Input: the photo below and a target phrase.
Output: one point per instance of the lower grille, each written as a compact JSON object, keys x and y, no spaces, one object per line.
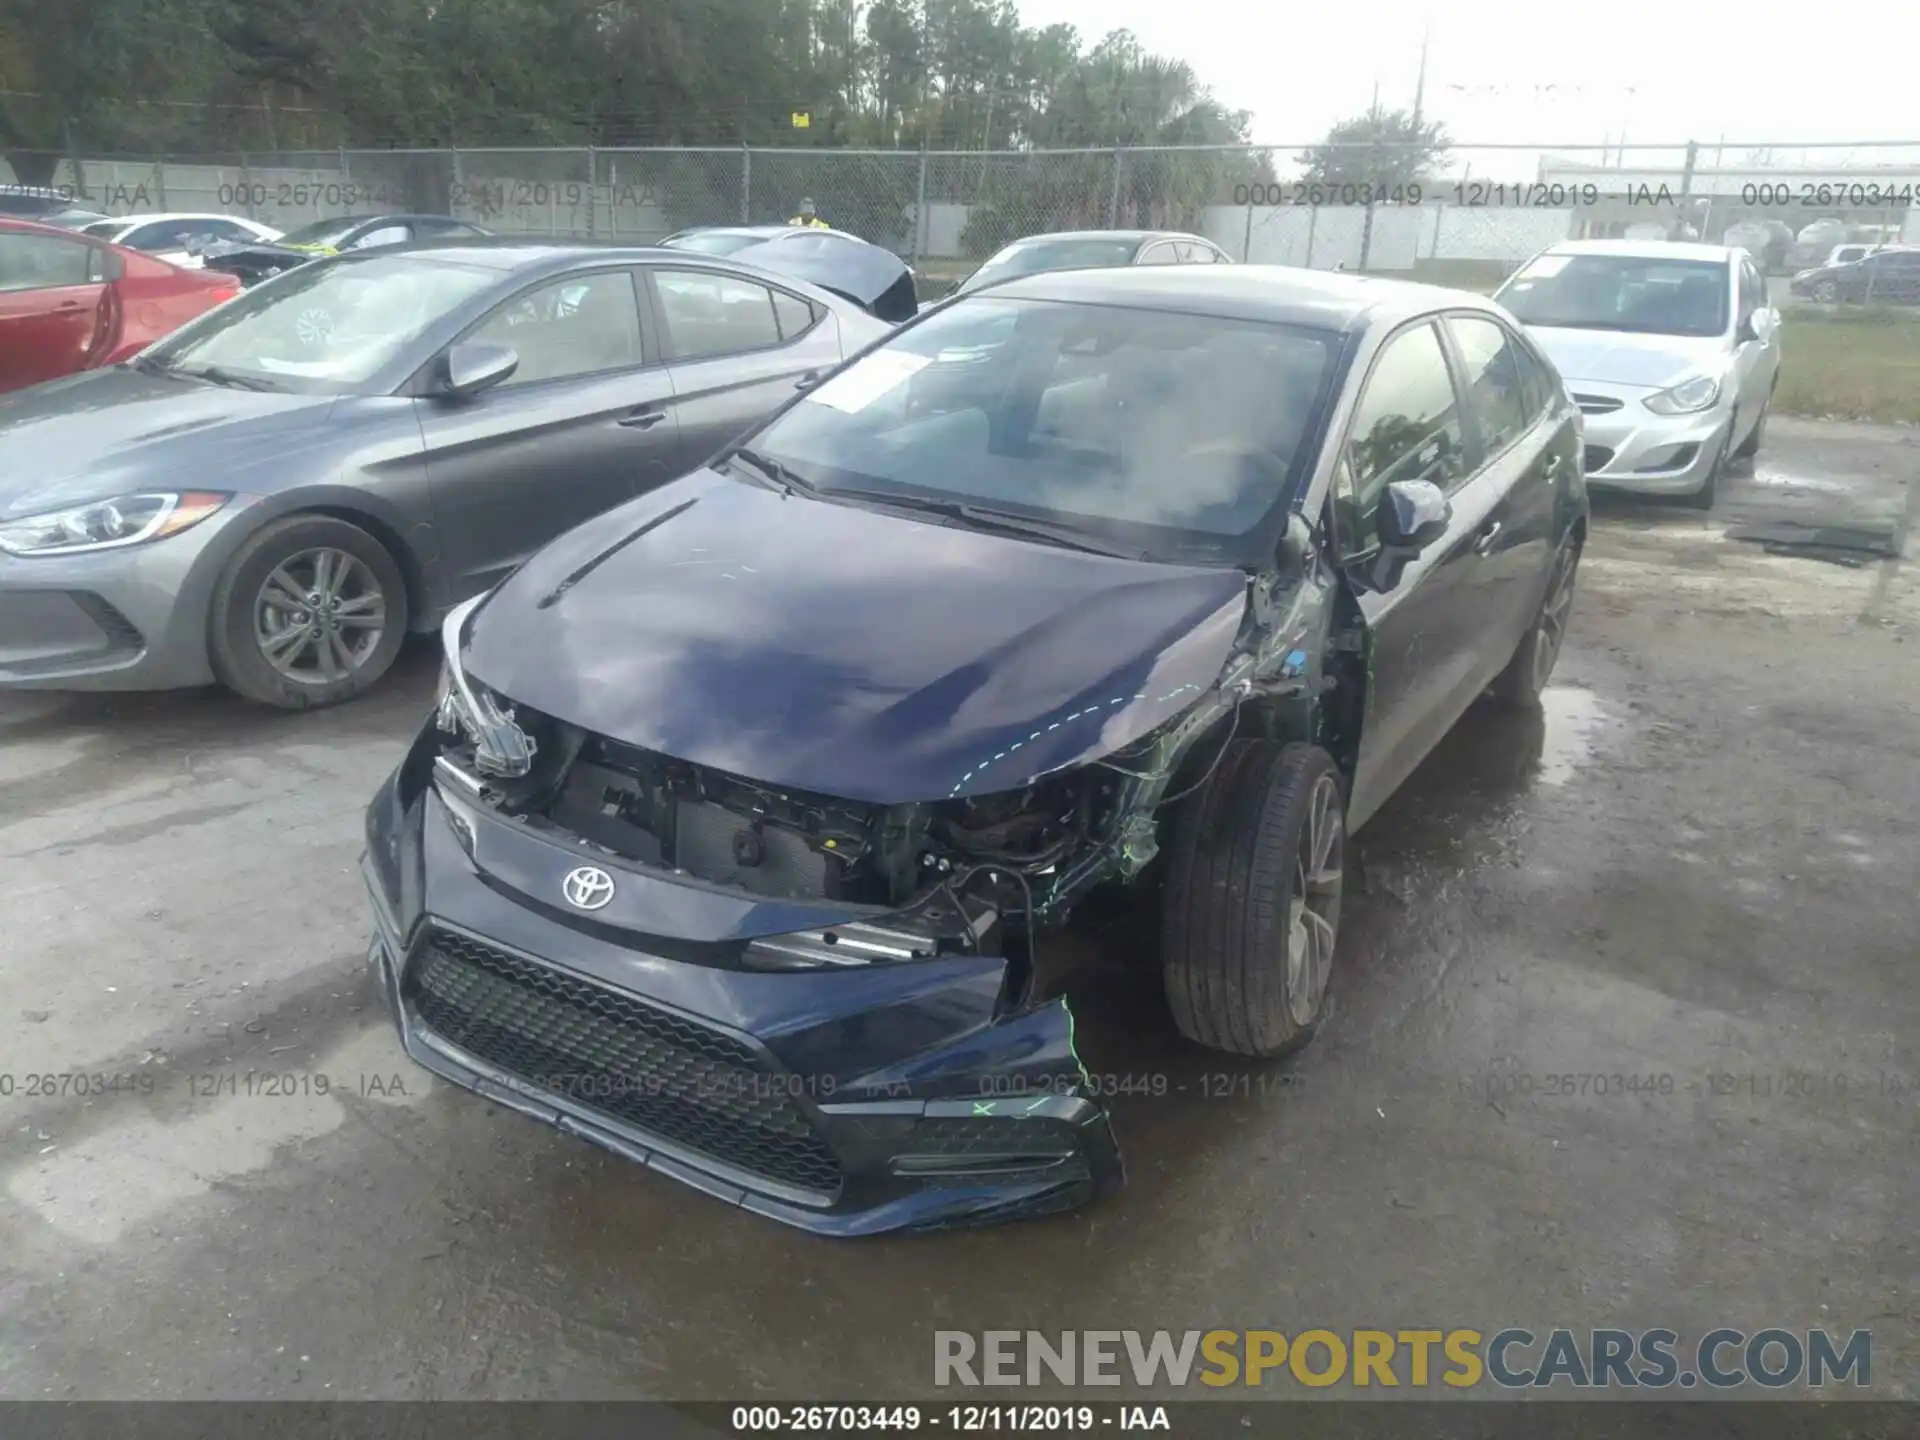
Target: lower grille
{"x":612,"y":1053}
{"x":1596,"y":457}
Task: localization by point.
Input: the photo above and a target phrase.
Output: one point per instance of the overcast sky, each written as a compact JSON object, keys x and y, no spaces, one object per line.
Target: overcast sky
{"x":1659,"y":70}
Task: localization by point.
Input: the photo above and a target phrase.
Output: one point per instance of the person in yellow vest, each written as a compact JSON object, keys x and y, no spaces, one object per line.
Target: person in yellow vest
{"x":808,"y":217}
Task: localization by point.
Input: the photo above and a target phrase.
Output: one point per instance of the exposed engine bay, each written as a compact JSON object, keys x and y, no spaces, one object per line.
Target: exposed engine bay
{"x":938,"y":875}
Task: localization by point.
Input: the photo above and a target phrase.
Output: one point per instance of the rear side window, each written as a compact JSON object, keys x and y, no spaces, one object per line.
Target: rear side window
{"x":1542,"y":382}
{"x":1491,"y":368}
{"x":708,"y":315}
{"x":795,"y":315}
{"x":1406,"y":427}
{"x":45,"y":262}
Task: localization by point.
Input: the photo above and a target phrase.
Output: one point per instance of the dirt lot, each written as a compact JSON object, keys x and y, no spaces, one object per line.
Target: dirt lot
{"x":1699,"y":862}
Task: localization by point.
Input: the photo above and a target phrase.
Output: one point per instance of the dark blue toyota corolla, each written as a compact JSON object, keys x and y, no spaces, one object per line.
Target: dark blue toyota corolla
{"x":746,"y":809}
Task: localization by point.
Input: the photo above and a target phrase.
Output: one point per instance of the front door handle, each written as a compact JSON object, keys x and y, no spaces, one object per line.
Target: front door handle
{"x":643,"y":419}
{"x":1483,"y":542}
{"x":807,"y":381}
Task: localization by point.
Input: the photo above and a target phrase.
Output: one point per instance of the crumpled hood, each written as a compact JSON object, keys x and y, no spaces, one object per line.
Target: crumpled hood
{"x":114,"y":431}
{"x":1615,"y":357}
{"x":848,"y":652}
{"x":870,"y":276}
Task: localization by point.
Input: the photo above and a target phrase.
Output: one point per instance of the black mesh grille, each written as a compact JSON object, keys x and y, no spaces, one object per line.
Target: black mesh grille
{"x":609,"y":1052}
{"x":121,"y":632}
{"x":963,"y":1136}
{"x":1596,"y":458}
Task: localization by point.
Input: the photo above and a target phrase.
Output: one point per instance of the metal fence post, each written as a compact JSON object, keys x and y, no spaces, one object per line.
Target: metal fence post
{"x":746,"y":183}
{"x":160,"y":179}
{"x":593,"y":193}
{"x":1246,"y":240}
{"x":246,"y":187}
{"x":920,"y":207}
{"x":1113,"y":199}
{"x":1686,"y":189}
{"x":1313,"y":223}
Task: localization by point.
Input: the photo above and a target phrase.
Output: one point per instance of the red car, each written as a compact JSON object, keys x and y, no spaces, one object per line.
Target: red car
{"x":69,"y":302}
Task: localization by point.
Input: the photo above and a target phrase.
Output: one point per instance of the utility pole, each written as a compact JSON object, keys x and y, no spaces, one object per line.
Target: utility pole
{"x":1420,"y":83}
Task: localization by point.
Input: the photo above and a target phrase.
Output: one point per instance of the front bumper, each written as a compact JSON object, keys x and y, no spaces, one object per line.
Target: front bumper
{"x":1629,"y":447}
{"x":908,"y":1095}
{"x":133,"y":619}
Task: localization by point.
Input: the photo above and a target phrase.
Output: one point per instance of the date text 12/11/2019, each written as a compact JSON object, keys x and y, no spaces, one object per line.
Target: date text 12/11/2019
{"x":1464,"y":194}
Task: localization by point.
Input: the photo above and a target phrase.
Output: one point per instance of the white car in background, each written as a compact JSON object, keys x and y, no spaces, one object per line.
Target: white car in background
{"x":178,"y":239}
{"x":1670,"y":350}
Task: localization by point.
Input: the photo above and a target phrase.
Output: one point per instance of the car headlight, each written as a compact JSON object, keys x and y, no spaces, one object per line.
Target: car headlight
{"x":466,"y":711}
{"x":1686,"y":398}
{"x":109,"y":524}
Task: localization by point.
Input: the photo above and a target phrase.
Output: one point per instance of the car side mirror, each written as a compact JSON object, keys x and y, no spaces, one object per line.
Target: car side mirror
{"x":469,"y":369}
{"x":1413,"y":514}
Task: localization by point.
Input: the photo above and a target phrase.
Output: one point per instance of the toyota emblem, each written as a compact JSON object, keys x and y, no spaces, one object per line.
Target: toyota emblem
{"x":588,"y":888}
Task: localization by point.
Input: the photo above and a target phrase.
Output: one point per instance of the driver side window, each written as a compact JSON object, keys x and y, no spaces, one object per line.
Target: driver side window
{"x":1406,"y":427}
{"x":579,"y":325}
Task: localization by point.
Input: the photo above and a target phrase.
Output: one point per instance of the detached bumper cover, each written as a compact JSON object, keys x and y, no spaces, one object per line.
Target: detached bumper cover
{"x":845,"y":1101}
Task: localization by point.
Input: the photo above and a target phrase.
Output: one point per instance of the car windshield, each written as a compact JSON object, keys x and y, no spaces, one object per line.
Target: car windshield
{"x":1033,"y":256}
{"x":104,"y":229}
{"x":321,"y":232}
{"x":1645,"y":294}
{"x":1165,"y":434}
{"x":324,"y":327}
{"x":716,"y":242}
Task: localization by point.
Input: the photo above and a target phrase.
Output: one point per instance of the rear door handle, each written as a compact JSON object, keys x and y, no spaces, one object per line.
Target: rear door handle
{"x":1483,"y":542}
{"x":643,"y":419}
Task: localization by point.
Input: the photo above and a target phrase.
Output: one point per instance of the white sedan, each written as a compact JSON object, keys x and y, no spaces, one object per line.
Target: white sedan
{"x":1670,"y":350}
{"x":177,"y":239}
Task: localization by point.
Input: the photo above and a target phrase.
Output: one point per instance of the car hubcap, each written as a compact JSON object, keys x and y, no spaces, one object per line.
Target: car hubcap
{"x":1824,"y":291}
{"x":319,"y":616}
{"x":1313,"y":914}
{"x":1552,"y":628}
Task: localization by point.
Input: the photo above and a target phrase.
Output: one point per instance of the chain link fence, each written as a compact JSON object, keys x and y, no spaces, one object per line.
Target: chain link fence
{"x":1475,"y":212}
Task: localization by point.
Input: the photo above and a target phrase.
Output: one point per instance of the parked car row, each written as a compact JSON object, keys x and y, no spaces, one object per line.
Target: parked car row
{"x":802,"y":671}
{"x":1863,"y":274}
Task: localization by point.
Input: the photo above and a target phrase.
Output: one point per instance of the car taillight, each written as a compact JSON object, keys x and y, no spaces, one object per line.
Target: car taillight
{"x":224,"y":294}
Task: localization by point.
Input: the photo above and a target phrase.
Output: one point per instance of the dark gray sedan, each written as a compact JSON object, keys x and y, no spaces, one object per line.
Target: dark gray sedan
{"x":276,"y":494}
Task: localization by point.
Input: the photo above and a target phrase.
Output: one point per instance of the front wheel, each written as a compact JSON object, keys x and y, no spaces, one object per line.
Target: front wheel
{"x":1826,"y":292}
{"x":1520,"y":684}
{"x":309,"y":612}
{"x":1709,"y":491}
{"x":1252,"y":909}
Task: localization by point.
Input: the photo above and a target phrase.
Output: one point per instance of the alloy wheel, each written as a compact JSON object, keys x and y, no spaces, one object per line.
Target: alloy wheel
{"x":1554,"y":613}
{"x":319,"y":616}
{"x":1313,"y":913}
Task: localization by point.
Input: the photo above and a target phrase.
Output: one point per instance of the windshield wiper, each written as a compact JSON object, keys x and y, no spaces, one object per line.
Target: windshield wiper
{"x":983,"y":517}
{"x":220,"y":375}
{"x":774,"y":471}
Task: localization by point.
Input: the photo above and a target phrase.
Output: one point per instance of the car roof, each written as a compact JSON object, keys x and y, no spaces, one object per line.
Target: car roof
{"x":148,"y":219}
{"x":1278,"y":294}
{"x":1138,"y":237}
{"x":1647,"y":249}
{"x":20,"y":222}
{"x":514,"y":254}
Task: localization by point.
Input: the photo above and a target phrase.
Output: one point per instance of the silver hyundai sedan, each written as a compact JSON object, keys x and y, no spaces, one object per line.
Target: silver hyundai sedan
{"x":1671,"y":351}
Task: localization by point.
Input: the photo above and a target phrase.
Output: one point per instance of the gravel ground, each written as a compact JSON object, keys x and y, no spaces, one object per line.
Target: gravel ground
{"x":1697,"y":863}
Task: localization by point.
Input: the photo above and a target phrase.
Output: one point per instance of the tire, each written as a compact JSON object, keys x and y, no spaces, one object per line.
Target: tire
{"x":1518,"y":687}
{"x":1756,"y":437}
{"x":1709,"y":491}
{"x":1245,"y":956}
{"x":319,"y":664}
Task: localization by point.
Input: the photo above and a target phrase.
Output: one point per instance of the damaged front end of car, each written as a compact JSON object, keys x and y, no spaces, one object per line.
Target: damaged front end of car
{"x":829,"y":1011}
